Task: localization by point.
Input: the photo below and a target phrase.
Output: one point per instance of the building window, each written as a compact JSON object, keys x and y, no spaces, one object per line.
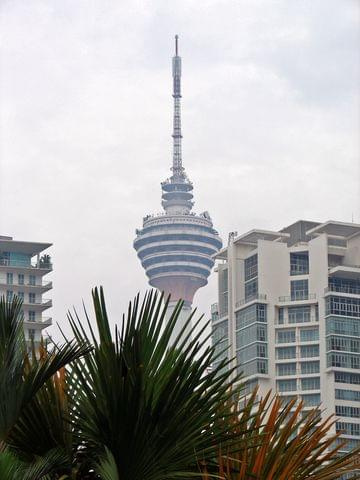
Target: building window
{"x":311,"y":400}
{"x":343,"y":326}
{"x":31,"y":334}
{"x":349,"y":395}
{"x":253,"y":313}
{"x":309,"y":335}
{"x":299,"y":314}
{"x":345,"y":377}
{"x":251,"y":267}
{"x":283,"y":369}
{"x":281,"y":316}
{"x":32,"y":297}
{"x":348,"y":307}
{"x":344,"y":344}
{"x":251,"y":290}
{"x":310,"y":367}
{"x":21,"y":295}
{"x":307,"y":351}
{"x":348,"y":428}
{"x":9,"y":278}
{"x":32,"y":280}
{"x":253,"y":367}
{"x":299,"y":290}
{"x":286,"y":385}
{"x":223,"y":292}
{"x":344,"y":285}
{"x":21,"y":279}
{"x":312,"y":383}
{"x":9,"y":295}
{"x":299,"y":263}
{"x":347,"y":411}
{"x":283,"y":353}
{"x":31,"y":316}
{"x":252,"y":333}
{"x":285,"y":336}
{"x":343,"y":360}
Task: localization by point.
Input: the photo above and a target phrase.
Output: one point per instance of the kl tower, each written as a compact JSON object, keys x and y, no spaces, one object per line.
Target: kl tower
{"x":176,"y":247}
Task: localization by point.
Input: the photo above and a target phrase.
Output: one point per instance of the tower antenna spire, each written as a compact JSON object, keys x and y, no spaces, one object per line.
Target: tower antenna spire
{"x":177,"y":168}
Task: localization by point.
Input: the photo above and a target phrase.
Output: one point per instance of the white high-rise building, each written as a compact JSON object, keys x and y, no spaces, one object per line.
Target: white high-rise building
{"x":22,"y":271}
{"x":289,"y":310}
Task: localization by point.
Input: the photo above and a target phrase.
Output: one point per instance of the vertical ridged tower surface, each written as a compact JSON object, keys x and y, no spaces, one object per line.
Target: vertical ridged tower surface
{"x":176,"y":247}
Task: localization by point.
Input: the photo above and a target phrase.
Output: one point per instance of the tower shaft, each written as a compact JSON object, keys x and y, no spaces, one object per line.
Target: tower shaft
{"x":177,"y":168}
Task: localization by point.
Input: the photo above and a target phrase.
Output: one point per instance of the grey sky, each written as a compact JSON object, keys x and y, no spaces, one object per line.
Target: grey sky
{"x":270,"y":123}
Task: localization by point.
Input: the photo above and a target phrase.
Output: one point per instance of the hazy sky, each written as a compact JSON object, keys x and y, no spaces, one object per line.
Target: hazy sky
{"x":271,"y":105}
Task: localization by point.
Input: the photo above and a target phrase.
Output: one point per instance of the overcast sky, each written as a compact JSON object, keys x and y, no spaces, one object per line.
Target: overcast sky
{"x":270,"y":124}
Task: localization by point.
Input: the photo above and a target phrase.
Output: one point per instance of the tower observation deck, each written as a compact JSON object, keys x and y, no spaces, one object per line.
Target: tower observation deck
{"x":176,"y":247}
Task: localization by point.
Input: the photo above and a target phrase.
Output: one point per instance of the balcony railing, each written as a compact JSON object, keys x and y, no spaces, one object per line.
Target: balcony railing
{"x":251,"y":298}
{"x":44,"y":302}
{"x":343,"y":289}
{"x":28,"y":284}
{"x":297,"y":297}
{"x":5,"y":262}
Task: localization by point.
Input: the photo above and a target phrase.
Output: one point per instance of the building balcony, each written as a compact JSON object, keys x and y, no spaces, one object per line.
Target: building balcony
{"x":260,"y":297}
{"x":347,"y":290}
{"x":38,"y":304}
{"x":43,"y":287}
{"x":297,"y":298}
{"x":9,"y":265}
{"x":39,"y":324}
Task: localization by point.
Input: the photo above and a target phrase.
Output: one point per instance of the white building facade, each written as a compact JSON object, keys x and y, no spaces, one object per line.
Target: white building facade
{"x":22,"y":271}
{"x":289,"y":310}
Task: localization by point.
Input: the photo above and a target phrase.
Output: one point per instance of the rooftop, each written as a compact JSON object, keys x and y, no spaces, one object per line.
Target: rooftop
{"x":7,"y":244}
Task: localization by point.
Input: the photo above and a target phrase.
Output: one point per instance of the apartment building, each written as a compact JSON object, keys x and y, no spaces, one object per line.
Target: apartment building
{"x":22,"y":271}
{"x":289,"y":310}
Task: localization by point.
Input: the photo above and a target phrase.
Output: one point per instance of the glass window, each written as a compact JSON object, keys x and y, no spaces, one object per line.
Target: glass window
{"x":9,"y":278}
{"x":220,"y":331}
{"x":286,"y":385}
{"x":250,"y":352}
{"x":299,"y":290}
{"x":343,"y":360}
{"x":21,"y":295}
{"x":350,"y":395}
{"x":343,"y":326}
{"x":310,"y":383}
{"x":251,"y":334}
{"x":281,"y":315}
{"x":31,"y":316}
{"x":348,"y":428}
{"x":283,"y":369}
{"x":285,"y":336}
{"x":299,"y":263}
{"x":311,"y":400}
{"x":346,"y":306}
{"x":309,"y":335}
{"x":32,"y":297}
{"x":251,"y":289}
{"x":21,"y":279}
{"x":309,"y":351}
{"x":343,"y":344}
{"x":310,"y":367}
{"x":282,"y":353}
{"x":345,"y":377}
{"x":347,"y":411}
{"x":251,"y":267}
{"x":32,"y":280}
{"x":9,"y":295}
{"x":31,"y":334}
{"x":299,"y":314}
{"x":344,"y":285}
{"x":253,"y":367}
{"x":253,"y":313}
